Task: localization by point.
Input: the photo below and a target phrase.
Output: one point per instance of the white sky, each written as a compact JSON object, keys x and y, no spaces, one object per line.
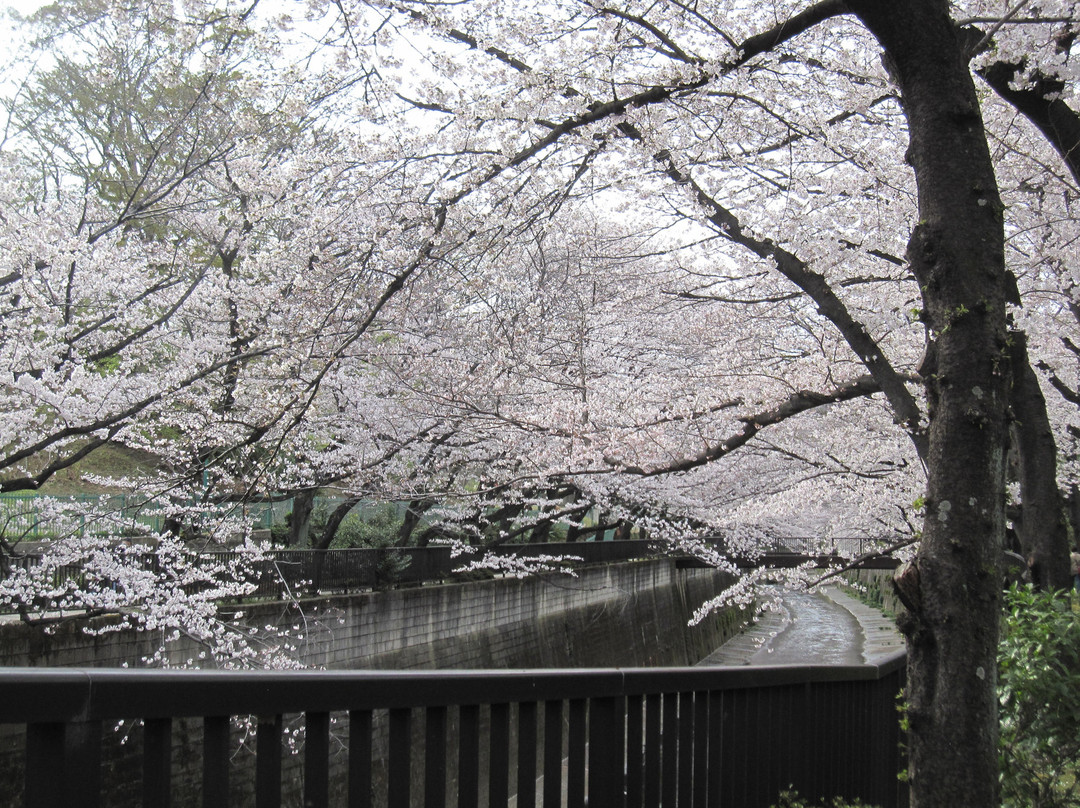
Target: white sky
{"x":22,"y":6}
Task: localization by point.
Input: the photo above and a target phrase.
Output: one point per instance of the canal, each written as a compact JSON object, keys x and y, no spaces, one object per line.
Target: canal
{"x":829,"y":627}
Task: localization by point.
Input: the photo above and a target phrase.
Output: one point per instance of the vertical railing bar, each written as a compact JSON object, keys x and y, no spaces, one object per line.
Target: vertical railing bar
{"x":527,"y":753}
{"x":215,"y":761}
{"x":818,"y":716}
{"x":157,"y":763}
{"x":872,"y":751}
{"x":435,"y":757}
{"x":903,"y":791}
{"x":750,"y":759}
{"x":268,"y":762}
{"x":716,"y":747}
{"x":360,"y":726}
{"x":635,"y":750}
{"x":575,"y":775}
{"x":653,"y":742}
{"x":499,"y":757}
{"x":606,"y":753}
{"x":844,"y":708}
{"x":885,"y":752}
{"x":400,"y":762}
{"x":43,"y":784}
{"x":801,"y":742}
{"x":686,"y":748}
{"x":669,"y":749}
{"x":82,"y":755}
{"x":864,"y":760}
{"x":766,"y":777}
{"x":852,"y":771}
{"x":553,"y":753}
{"x":776,"y":727}
{"x":317,"y":760}
{"x":841,"y":708}
{"x":469,"y":756}
{"x":758,"y":788}
{"x":836,"y":712}
{"x":733,"y":761}
{"x":701,"y":750}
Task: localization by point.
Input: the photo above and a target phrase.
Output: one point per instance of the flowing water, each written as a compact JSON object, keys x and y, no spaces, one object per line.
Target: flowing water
{"x":810,"y":629}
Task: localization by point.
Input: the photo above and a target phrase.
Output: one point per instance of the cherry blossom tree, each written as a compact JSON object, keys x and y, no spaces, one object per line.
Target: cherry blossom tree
{"x":845,"y":152}
{"x":724,"y":267}
{"x":188,"y":254}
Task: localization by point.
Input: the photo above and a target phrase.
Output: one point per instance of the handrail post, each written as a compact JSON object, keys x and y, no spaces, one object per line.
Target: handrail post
{"x":268,"y":762}
{"x":157,"y":763}
{"x":317,"y":760}
{"x":607,"y":788}
{"x":215,"y":786}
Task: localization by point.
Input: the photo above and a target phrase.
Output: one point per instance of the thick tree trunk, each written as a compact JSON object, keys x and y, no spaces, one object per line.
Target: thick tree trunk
{"x":953,"y":591}
{"x":1044,"y":537}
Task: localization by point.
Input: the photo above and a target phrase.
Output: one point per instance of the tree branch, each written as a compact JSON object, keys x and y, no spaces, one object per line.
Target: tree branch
{"x":795,"y":404}
{"x":905,"y":409}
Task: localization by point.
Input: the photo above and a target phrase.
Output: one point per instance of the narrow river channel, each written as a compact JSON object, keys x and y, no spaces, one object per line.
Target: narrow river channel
{"x":810,"y":629}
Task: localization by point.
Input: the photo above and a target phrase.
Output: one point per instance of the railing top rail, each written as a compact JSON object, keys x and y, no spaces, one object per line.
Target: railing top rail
{"x":65,"y":694}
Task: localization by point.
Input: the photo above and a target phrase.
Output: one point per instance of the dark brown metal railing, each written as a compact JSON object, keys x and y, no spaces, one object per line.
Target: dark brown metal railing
{"x":636,"y":738}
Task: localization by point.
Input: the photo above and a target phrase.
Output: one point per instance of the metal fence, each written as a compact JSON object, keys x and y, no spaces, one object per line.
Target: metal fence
{"x":637,"y":738}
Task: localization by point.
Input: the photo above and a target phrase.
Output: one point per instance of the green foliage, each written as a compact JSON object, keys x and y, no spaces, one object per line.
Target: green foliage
{"x":375,"y":528}
{"x":1039,"y":691}
{"x":791,"y":799}
{"x":107,"y":365}
{"x":371,"y":528}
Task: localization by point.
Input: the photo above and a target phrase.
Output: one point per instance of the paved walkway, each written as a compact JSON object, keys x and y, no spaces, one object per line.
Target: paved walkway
{"x":829,"y":627}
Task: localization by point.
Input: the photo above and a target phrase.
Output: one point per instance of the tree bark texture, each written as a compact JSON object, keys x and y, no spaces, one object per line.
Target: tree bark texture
{"x":1044,"y":536}
{"x":953,"y":590}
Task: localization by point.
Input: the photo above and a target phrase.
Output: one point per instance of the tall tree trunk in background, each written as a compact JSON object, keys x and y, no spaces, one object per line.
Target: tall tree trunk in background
{"x":414,"y":512}
{"x":333,"y":522}
{"x":953,"y":591}
{"x":300,"y":522}
{"x":1043,"y":531}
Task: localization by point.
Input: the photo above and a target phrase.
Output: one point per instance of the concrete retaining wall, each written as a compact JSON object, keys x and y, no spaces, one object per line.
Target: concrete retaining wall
{"x":876,"y":585}
{"x":631,"y":614}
